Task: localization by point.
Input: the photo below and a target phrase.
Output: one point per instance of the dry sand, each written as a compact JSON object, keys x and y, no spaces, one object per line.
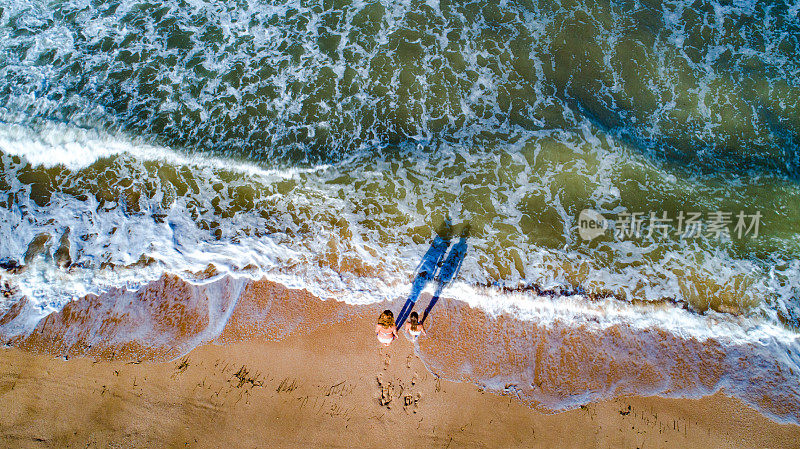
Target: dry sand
{"x":330,"y":386}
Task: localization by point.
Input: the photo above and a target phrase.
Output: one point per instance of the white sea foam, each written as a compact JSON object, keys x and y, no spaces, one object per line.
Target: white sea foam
{"x":57,"y":144}
{"x":178,"y":245}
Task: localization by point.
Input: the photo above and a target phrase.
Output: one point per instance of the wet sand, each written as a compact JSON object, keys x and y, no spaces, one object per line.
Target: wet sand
{"x":329,"y":386}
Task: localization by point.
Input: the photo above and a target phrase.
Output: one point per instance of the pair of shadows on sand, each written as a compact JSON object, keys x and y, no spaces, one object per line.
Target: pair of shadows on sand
{"x":435,"y":267}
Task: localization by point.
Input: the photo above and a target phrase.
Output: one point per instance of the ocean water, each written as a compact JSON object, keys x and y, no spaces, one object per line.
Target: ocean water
{"x":322,"y":144}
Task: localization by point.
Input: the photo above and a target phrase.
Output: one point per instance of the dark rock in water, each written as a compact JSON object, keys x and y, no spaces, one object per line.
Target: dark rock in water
{"x":7,"y":289}
{"x":10,"y":265}
{"x":85,"y":264}
{"x":39,"y":245}
{"x":62,"y":256}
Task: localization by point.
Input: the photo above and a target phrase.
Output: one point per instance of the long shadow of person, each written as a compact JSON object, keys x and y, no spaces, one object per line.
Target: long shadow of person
{"x":425,"y":273}
{"x":448,"y":271}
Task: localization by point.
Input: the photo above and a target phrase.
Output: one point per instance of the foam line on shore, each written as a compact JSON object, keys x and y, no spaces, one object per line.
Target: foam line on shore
{"x":56,"y":144}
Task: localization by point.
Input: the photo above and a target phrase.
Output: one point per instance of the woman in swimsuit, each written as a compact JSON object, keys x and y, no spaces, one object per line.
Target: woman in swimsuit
{"x":385,"y":329}
{"x":414,"y":327}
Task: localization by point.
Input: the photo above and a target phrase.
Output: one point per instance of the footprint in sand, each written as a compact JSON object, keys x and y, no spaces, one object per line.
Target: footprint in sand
{"x":411,"y":399}
{"x":387,"y":391}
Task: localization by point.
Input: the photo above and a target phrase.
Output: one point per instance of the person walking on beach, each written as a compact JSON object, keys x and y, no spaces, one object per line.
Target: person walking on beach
{"x":414,"y":327}
{"x":385,"y":329}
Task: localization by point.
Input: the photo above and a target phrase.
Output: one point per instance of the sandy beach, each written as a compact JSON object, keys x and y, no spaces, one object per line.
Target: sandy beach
{"x":325,"y":382}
